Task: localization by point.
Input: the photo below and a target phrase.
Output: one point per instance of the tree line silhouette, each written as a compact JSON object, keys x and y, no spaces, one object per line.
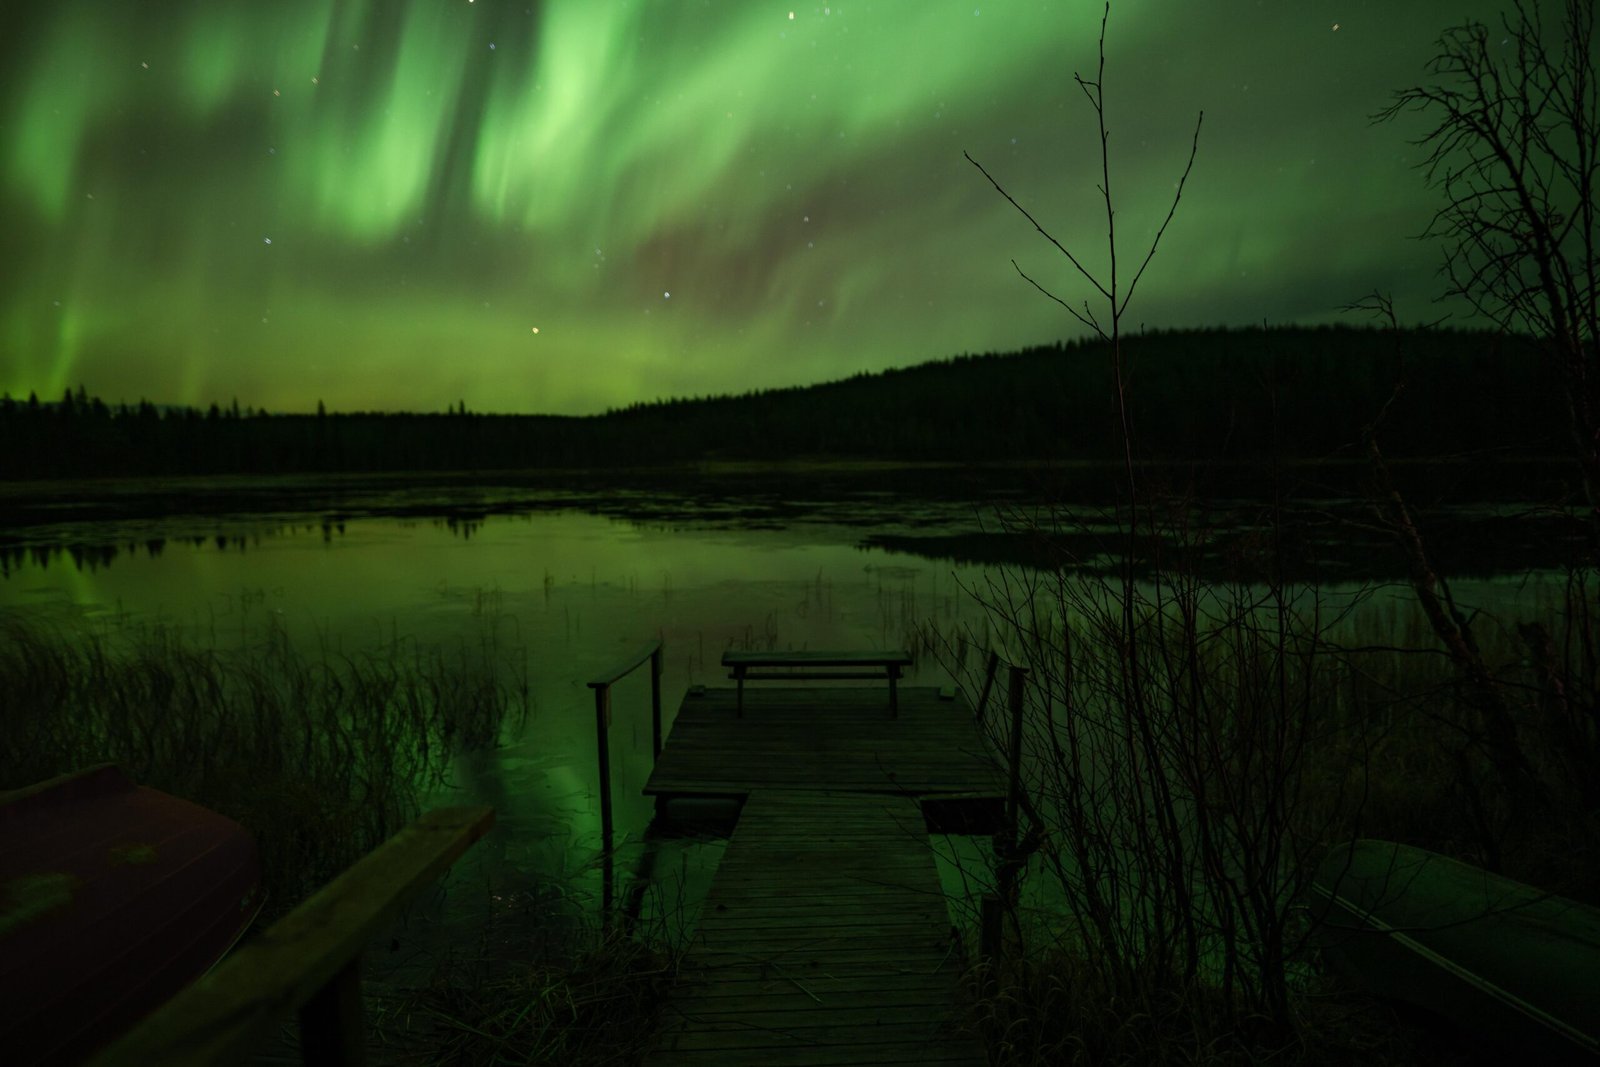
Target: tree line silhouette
{"x":1206,"y":394}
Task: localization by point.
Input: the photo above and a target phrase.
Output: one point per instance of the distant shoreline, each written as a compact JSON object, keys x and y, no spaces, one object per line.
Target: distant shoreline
{"x":720,"y":467}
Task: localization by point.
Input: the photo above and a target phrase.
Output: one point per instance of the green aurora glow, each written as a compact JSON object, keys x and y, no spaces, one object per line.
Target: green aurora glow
{"x":375,"y":203}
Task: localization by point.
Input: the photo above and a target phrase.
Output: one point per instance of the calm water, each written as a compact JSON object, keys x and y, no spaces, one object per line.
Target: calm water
{"x":566,"y":592}
{"x":567,"y":583}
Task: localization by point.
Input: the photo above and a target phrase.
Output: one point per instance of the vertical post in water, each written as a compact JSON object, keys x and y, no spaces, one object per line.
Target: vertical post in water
{"x":332,"y":1030}
{"x":1006,"y":851}
{"x":602,"y":724}
{"x":1019,"y":679}
{"x":990,"y":936}
{"x":988,"y":683}
{"x":655,"y":704}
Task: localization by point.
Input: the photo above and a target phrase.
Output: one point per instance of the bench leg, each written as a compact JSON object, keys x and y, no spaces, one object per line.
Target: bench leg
{"x":894,"y":699}
{"x":738,"y":707}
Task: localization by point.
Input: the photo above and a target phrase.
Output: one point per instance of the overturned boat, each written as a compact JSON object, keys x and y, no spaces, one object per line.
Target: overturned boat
{"x":113,"y":897}
{"x":1497,"y":958}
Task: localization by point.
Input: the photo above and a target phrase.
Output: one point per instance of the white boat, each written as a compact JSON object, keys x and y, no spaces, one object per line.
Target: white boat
{"x":1499,"y":959}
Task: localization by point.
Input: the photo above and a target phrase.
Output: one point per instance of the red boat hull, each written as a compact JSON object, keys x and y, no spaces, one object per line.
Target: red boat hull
{"x":113,"y":897}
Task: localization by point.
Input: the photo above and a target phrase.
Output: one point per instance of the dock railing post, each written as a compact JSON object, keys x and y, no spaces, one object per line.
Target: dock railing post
{"x":994,"y":906}
{"x":602,"y":730}
{"x":988,"y":683}
{"x":1005,"y":843}
{"x":331,"y":1027}
{"x":602,"y":724}
{"x":655,"y":705}
{"x":990,"y":936}
{"x":1019,"y":680}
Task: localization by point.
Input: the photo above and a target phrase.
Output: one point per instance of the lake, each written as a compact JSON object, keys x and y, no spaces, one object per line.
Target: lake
{"x":567,"y":579}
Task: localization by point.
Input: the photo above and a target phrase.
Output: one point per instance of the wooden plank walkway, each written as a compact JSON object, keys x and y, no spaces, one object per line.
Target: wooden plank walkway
{"x":825,"y":938}
{"x":825,"y":738}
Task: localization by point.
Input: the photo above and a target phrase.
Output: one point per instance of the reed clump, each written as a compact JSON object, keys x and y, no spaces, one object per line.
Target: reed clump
{"x":1403,"y":731}
{"x":321,"y":757}
{"x":1051,"y":1008}
{"x":596,"y":1004}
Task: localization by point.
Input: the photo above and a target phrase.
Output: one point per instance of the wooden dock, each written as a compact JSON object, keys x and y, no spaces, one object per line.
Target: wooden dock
{"x":825,"y":937}
{"x":838,"y":739}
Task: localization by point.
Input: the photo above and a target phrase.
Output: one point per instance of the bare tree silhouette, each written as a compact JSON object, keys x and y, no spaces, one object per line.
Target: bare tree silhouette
{"x":1515,"y":148}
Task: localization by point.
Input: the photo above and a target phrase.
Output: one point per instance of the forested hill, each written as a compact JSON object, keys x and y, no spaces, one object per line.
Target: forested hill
{"x":1194,"y":394}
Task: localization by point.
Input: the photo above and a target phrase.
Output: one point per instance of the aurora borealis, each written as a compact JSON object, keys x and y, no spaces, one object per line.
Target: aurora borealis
{"x":575,"y":205}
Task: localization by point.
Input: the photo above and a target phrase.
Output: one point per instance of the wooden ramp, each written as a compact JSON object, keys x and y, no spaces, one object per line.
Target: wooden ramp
{"x":824,"y":940}
{"x":825,"y":937}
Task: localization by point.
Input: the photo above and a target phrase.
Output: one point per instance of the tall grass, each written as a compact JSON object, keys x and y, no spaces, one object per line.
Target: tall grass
{"x":1405,"y":729}
{"x":1165,"y":770}
{"x":320,"y":757}
{"x":1184,"y":776}
{"x":592,"y":1001}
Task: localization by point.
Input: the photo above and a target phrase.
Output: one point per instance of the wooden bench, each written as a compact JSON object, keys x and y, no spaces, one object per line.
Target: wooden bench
{"x":808,"y":666}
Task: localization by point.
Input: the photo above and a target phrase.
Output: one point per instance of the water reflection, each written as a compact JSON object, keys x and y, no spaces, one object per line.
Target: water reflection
{"x":1318,"y":540}
{"x":560,"y":593}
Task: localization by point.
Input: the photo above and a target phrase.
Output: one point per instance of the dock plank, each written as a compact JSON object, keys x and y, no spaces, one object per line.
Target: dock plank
{"x":822,"y":946}
{"x":822,"y":738}
{"x":825,"y":938}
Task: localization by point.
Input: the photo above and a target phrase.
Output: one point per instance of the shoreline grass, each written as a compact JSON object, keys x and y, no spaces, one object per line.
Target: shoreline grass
{"x":595,"y":1005}
{"x":1280,"y":736}
{"x":322,"y":758}
{"x":187,"y":720}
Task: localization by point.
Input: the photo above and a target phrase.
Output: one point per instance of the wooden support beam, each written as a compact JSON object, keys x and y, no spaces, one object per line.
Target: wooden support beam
{"x":306,"y":959}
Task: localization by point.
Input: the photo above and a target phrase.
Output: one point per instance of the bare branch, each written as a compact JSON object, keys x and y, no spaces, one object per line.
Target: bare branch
{"x":1194,"y":146}
{"x":1081,"y":269}
{"x":1087,"y":322}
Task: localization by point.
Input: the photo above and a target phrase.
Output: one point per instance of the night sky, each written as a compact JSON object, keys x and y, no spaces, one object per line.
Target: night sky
{"x":578,"y":205}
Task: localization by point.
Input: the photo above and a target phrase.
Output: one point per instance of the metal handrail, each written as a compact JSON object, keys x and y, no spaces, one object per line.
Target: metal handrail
{"x":988,"y":683}
{"x":989,"y":936}
{"x":627,"y":665}
{"x":602,"y":725}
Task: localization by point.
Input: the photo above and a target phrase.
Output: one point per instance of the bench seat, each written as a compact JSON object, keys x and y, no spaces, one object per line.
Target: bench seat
{"x":808,"y":666}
